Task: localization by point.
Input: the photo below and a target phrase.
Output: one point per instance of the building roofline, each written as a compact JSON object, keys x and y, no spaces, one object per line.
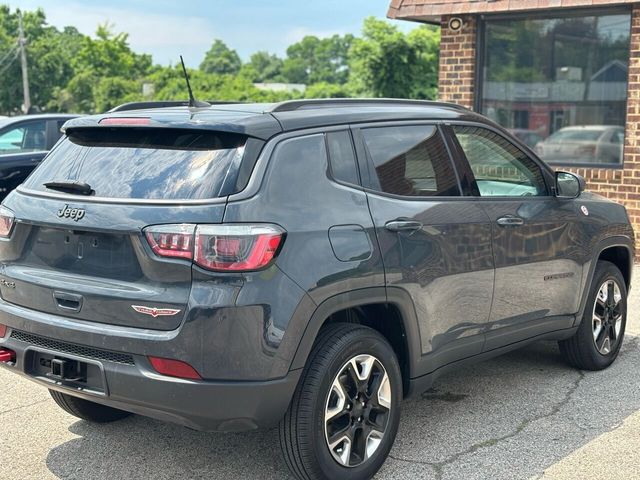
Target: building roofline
{"x":432,"y":11}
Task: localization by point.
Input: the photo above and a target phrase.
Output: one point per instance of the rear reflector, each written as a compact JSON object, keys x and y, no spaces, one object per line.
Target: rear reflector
{"x":221,"y":248}
{"x":7,"y":355}
{"x":6,"y":222}
{"x":125,"y":121}
{"x":3,"y":330}
{"x":174,"y":368}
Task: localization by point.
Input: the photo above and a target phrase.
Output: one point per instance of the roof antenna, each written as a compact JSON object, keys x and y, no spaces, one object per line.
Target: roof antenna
{"x":192,"y":101}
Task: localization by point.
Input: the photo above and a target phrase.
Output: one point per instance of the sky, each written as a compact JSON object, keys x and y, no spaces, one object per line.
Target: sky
{"x":168,"y":28}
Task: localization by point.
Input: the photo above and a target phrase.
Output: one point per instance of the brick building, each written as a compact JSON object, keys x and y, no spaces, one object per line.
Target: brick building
{"x":563,"y":75}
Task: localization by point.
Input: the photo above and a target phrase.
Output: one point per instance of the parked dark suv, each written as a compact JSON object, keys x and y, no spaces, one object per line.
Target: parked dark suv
{"x":310,"y":263}
{"x":24,"y":141}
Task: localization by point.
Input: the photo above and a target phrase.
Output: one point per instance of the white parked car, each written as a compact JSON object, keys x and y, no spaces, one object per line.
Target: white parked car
{"x":583,"y":144}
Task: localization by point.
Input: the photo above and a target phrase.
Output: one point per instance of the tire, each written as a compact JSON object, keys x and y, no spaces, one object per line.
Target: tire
{"x":584,"y":350}
{"x":86,"y":410}
{"x":341,"y":349}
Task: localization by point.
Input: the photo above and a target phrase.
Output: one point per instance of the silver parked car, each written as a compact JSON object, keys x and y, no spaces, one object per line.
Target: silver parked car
{"x":583,"y":144}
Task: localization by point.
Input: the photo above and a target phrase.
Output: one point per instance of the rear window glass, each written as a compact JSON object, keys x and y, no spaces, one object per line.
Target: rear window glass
{"x":145,"y":163}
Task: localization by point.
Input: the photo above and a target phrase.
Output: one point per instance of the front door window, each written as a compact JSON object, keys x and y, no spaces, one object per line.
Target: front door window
{"x":500,"y":168}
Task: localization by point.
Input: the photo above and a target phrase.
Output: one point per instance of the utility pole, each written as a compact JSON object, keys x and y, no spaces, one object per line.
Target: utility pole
{"x":23,"y":61}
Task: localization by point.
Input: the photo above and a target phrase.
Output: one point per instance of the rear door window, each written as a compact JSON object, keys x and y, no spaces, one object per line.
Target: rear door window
{"x":141,"y":163}
{"x":410,"y":161}
{"x":26,"y":137}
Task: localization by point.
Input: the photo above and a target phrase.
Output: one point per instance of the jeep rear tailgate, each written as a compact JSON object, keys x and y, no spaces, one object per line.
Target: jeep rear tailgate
{"x":83,"y":253}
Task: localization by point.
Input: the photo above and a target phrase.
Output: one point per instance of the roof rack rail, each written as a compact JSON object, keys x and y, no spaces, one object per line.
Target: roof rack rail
{"x":293,"y":105}
{"x":159,"y":104}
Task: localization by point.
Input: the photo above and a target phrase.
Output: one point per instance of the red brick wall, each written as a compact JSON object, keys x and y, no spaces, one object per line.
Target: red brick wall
{"x":458,"y":62}
{"x":457,"y":85}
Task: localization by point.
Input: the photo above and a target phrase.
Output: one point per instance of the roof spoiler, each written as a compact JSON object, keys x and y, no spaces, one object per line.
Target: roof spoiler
{"x":160,"y":104}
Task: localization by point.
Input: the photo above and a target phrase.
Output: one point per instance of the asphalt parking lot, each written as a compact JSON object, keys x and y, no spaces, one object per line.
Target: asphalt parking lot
{"x":521,"y":416}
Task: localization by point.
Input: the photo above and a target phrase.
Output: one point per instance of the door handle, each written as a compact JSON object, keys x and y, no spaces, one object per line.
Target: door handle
{"x":403,"y":225}
{"x":510,"y":221}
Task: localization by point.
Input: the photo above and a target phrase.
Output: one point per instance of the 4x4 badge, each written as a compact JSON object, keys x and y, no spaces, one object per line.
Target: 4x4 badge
{"x":155,"y":312}
{"x":73,"y":213}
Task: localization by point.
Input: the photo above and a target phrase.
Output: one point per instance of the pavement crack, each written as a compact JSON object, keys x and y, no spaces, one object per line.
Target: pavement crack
{"x":23,"y":406}
{"x":439,"y":467}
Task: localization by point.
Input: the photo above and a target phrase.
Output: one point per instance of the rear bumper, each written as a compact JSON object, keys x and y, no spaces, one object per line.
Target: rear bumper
{"x":127,"y":380}
{"x":201,"y":405}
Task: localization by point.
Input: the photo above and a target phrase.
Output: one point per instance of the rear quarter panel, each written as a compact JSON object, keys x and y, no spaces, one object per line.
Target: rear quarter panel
{"x":297,"y":194}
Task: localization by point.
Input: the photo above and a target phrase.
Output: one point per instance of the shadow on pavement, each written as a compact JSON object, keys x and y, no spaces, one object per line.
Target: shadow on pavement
{"x":510,"y":417}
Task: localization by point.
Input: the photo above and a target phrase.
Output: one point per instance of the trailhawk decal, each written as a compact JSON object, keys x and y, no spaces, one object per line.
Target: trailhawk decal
{"x":155,"y":312}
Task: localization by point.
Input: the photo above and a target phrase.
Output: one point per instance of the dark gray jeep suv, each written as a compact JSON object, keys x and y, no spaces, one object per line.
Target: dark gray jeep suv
{"x":310,"y":263}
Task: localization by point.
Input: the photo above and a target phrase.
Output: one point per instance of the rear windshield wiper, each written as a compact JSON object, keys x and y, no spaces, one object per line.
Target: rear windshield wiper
{"x":70,"y":186}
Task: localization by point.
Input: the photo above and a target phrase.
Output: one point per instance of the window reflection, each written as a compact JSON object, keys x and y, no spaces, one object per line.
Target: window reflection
{"x":560,"y":84}
{"x":135,"y":164}
{"x":410,"y":161}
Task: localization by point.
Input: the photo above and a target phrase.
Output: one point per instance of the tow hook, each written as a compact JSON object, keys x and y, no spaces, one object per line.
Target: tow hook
{"x":7,"y":356}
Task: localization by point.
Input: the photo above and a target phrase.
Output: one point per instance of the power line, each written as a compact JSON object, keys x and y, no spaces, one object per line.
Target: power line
{"x":9,"y":53}
{"x":10,"y":62}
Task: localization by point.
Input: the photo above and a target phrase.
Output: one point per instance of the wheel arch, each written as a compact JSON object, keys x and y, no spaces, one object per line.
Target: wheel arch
{"x":622,"y":257}
{"x":618,"y":250}
{"x":371,"y":307}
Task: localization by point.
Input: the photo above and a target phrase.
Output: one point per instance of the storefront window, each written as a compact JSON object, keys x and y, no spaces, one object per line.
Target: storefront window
{"x":559,"y":84}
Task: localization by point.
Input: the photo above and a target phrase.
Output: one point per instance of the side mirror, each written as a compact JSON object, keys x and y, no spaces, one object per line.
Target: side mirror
{"x":569,"y":185}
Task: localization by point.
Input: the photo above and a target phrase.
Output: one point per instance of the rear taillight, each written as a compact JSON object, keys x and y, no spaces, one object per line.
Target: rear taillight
{"x":174,"y":368}
{"x":3,"y":330}
{"x":221,"y":248}
{"x":6,"y":222}
{"x":236,"y":247}
{"x":171,"y":240}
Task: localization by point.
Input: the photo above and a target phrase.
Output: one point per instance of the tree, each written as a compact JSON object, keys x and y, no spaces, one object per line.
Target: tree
{"x":50,"y":62}
{"x":425,"y":40}
{"x":69,"y":71}
{"x":49,"y":54}
{"x":106,"y":73}
{"x":263,"y":67}
{"x":170,"y":85}
{"x":314,"y":60}
{"x":109,"y":55}
{"x":387,"y":63}
{"x":221,"y":59}
{"x":327,"y":90}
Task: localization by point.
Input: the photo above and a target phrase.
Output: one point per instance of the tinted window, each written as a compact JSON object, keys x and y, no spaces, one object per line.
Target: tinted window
{"x":410,"y":161}
{"x":145,"y":163}
{"x":342,"y":157}
{"x":559,"y":75}
{"x":26,"y":137}
{"x":501,"y":169}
